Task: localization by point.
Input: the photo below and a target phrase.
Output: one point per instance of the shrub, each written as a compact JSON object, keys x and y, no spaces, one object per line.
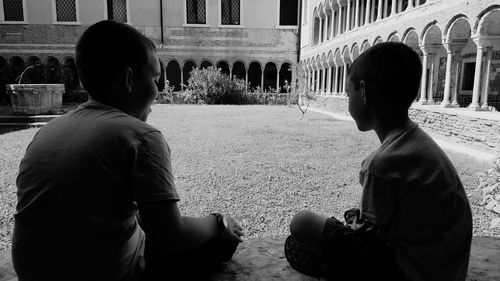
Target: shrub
{"x":211,"y":86}
{"x":489,"y":183}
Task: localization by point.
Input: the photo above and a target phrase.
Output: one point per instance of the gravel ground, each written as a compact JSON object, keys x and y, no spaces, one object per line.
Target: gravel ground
{"x":259,"y":164}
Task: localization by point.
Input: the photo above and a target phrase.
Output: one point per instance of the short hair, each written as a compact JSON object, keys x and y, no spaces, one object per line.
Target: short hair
{"x":394,"y":69}
{"x":105,"y":48}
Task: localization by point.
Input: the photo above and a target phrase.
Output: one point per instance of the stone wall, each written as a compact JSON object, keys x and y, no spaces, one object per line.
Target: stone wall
{"x":455,"y":124}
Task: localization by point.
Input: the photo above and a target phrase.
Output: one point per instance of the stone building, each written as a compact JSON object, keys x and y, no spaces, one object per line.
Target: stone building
{"x":458,"y":41}
{"x":254,"y":40}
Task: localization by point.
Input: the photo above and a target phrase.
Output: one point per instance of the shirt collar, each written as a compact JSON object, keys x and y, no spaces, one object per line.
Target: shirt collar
{"x":407,"y":125}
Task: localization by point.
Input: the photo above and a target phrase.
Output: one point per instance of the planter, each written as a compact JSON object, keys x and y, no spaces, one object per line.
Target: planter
{"x":34,"y":99}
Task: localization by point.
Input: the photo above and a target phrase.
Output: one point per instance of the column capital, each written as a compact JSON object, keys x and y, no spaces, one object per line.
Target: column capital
{"x":453,"y":46}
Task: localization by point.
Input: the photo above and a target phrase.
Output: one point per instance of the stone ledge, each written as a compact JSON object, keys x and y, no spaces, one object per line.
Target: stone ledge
{"x":263,"y":259}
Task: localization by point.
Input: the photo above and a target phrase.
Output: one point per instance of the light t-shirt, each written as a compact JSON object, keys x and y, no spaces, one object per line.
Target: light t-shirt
{"x":78,"y":188}
{"x":411,"y":187}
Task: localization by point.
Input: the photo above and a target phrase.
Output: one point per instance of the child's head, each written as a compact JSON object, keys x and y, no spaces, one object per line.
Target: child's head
{"x":116,"y":63}
{"x":382,"y":83}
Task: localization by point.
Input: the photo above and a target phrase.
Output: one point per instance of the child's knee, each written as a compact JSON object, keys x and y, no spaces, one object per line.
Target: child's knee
{"x":301,"y":223}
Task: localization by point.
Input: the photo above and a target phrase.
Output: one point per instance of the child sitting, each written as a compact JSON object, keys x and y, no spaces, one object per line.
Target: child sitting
{"x":415,"y":220}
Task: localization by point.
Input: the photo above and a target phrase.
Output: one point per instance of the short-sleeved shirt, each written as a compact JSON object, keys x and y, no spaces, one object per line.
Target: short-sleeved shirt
{"x":411,"y":187}
{"x":78,"y":188}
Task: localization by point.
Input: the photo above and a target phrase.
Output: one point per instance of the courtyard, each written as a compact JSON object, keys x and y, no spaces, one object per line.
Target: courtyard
{"x":259,"y":164}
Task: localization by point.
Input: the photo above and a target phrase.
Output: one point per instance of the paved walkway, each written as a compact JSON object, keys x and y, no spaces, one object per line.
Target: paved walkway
{"x":264,"y":259}
{"x":445,"y":143}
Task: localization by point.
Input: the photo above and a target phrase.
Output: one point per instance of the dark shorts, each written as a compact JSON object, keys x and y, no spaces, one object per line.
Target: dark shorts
{"x":346,"y":255}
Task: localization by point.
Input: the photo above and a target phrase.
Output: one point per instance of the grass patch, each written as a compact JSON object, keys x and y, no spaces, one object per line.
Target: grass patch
{"x":260,"y":164}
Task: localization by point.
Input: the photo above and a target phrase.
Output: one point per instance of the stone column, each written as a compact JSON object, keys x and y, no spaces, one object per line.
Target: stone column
{"x":372,"y":13}
{"x":386,"y":8}
{"x":379,"y":10}
{"x":332,"y":31}
{"x":418,"y":2}
{"x":246,"y":76}
{"x":399,"y":8}
{"x":410,"y":5}
{"x":320,"y":29}
{"x":329,"y":81}
{"x":430,"y":92}
{"x":318,"y":85}
{"x":339,"y":28}
{"x":325,"y":28}
{"x":356,"y":18}
{"x":182,"y":80}
{"x":368,"y":11}
{"x":447,"y":79}
{"x":393,"y":7}
{"x":336,"y":81}
{"x":477,"y":76}
{"x":486,"y":84}
{"x":423,"y":86}
{"x":454,"y":102}
{"x":348,"y":20}
{"x":262,"y":80}
{"x":278,"y":79}
{"x":324,"y":84}
{"x":344,"y":80}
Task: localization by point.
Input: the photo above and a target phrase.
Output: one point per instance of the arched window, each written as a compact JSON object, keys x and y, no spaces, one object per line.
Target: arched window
{"x":230,"y":12}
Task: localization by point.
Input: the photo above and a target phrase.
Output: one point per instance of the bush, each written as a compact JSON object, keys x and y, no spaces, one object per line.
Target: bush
{"x":211,"y":86}
{"x":489,"y":184}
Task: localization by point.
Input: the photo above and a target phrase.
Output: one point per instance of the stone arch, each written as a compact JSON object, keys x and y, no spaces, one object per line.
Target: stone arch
{"x":482,"y":16}
{"x":53,"y":70}
{"x":365,"y":46}
{"x":393,"y":37}
{"x":239,"y":70}
{"x":16,"y":66}
{"x":436,"y":60}
{"x":411,"y":38}
{"x":187,"y":67}
{"x":70,"y":77}
{"x":377,"y":40}
{"x":489,"y":23}
{"x":174,"y":74}
{"x":315,"y":28}
{"x":270,"y":76}
{"x":34,"y":72}
{"x":354,"y":51}
{"x":205,"y":64}
{"x":162,"y":81}
{"x":285,"y":76}
{"x":338,"y":58}
{"x":224,"y":66}
{"x":430,"y":32}
{"x":255,"y":74}
{"x":346,"y":57}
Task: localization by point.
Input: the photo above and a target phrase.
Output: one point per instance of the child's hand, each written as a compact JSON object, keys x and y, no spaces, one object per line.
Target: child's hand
{"x":233,"y":230}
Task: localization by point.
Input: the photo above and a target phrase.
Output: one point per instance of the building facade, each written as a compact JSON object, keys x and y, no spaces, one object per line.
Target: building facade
{"x":254,"y":40}
{"x":458,"y":41}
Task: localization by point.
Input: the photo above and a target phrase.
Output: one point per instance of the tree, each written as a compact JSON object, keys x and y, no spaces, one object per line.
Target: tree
{"x":301,"y":93}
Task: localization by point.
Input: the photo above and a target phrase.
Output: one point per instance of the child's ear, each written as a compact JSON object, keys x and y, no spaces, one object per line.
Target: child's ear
{"x":362,"y":90}
{"x":129,"y":79}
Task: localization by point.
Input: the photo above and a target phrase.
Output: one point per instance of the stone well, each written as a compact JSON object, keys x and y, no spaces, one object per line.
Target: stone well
{"x":34,"y":99}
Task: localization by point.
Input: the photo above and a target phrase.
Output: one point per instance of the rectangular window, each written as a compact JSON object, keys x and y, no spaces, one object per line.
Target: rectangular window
{"x":65,"y":10}
{"x":196,"y":12}
{"x":117,"y":10}
{"x":289,"y":12}
{"x":230,"y":12}
{"x":13,"y":10}
{"x":468,"y":76}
